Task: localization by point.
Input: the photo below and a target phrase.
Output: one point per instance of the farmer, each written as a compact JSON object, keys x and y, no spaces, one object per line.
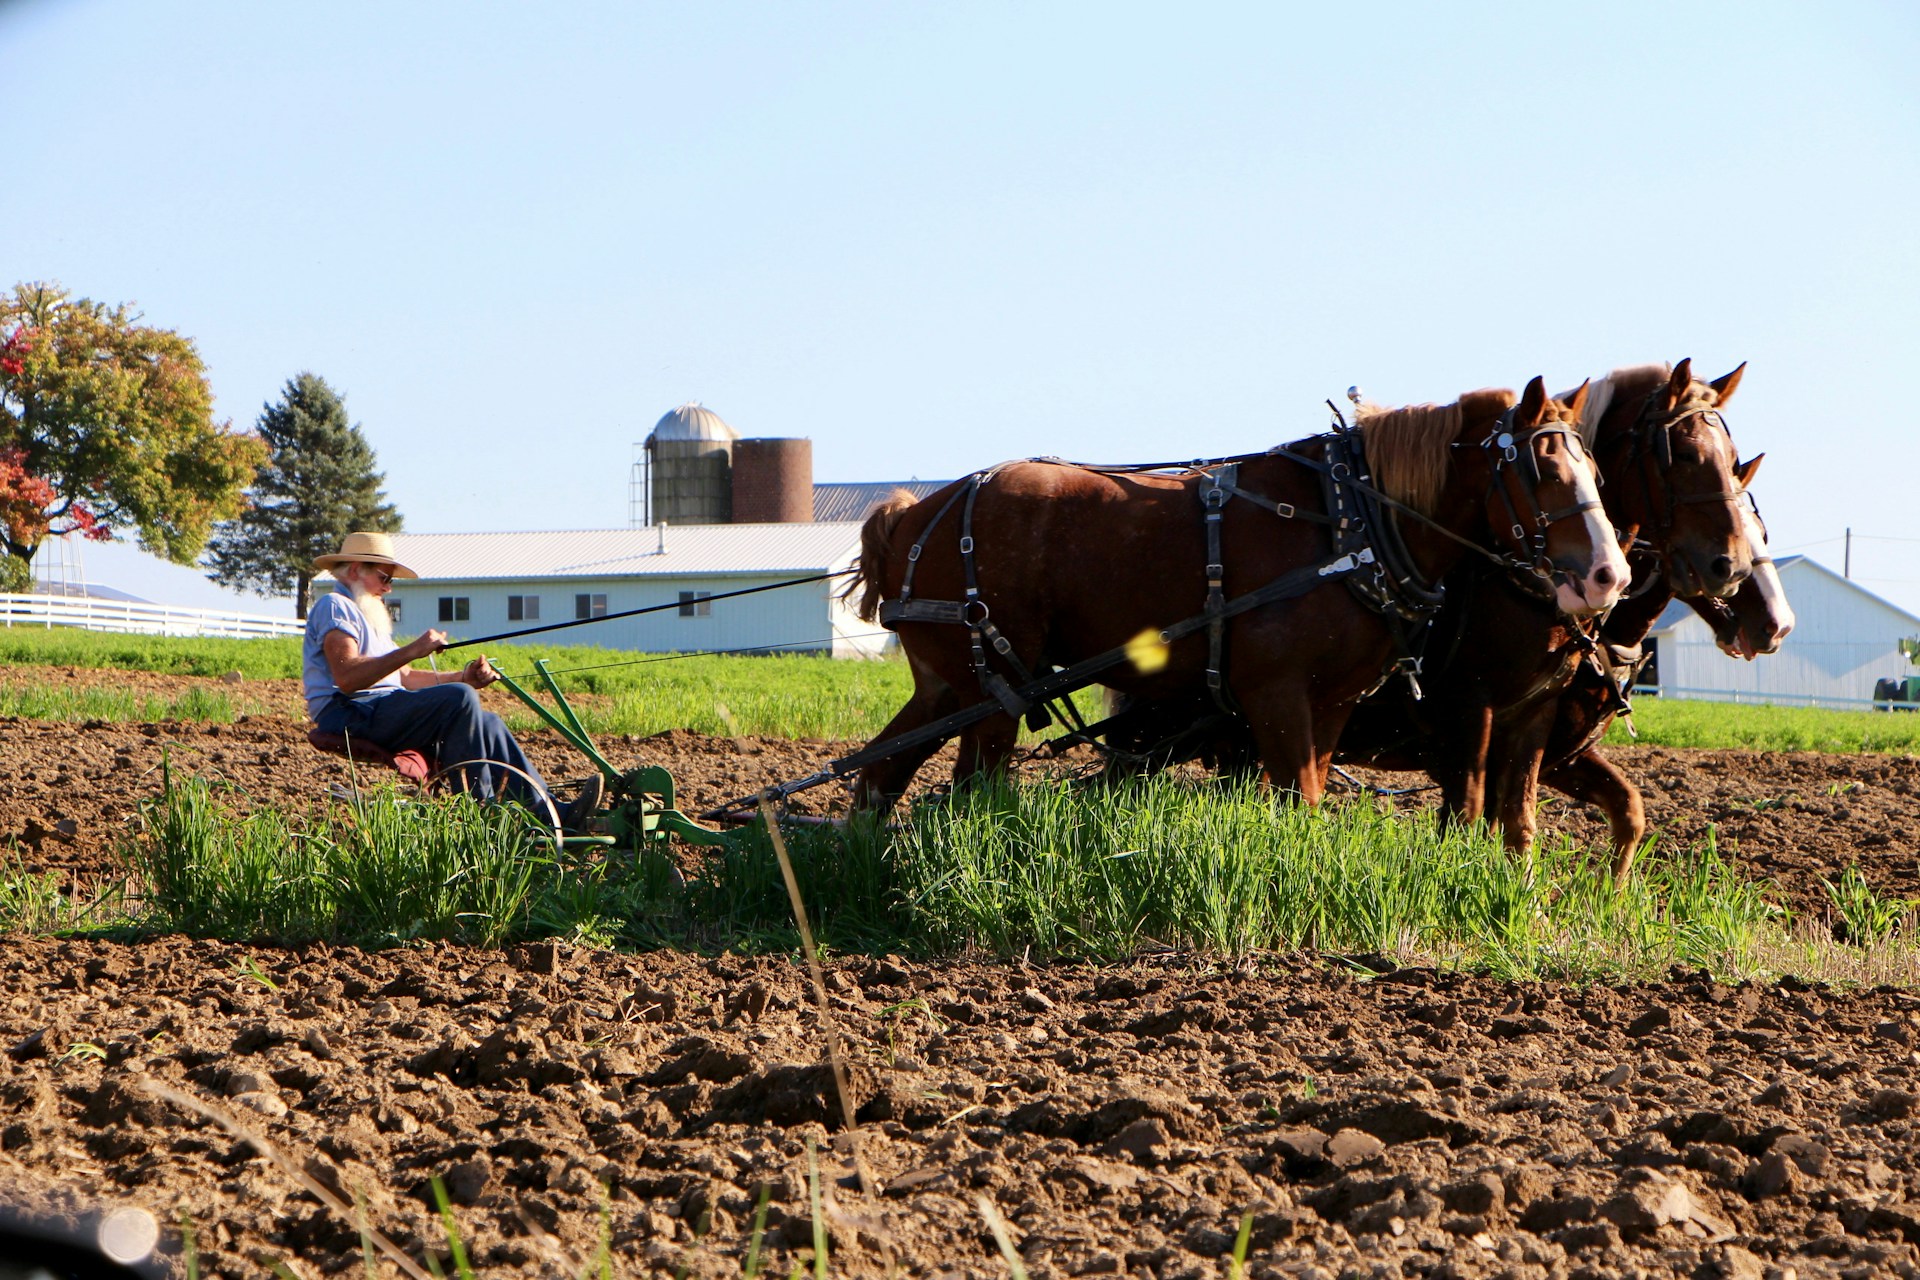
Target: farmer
{"x":359,"y":684}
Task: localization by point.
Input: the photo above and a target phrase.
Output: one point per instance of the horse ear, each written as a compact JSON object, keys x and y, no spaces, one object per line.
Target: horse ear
{"x":1747,"y":470}
{"x":1724,"y":386}
{"x":1577,"y":402}
{"x":1533,"y":402}
{"x":1682,"y":379}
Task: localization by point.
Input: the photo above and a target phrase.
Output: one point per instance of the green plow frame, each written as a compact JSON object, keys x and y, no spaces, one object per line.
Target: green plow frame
{"x":640,"y":806}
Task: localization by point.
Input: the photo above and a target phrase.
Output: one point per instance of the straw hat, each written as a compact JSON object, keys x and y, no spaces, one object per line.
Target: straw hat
{"x":365,"y":548}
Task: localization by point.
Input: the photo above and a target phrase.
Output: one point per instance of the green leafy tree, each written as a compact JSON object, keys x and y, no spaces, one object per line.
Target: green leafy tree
{"x":106,"y":424}
{"x":317,"y":485}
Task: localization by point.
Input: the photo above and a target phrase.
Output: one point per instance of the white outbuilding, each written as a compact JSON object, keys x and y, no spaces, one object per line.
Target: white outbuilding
{"x":479,"y":584}
{"x":1844,"y":639}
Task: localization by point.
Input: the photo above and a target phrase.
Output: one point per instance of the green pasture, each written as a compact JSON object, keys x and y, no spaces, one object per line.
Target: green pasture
{"x":262,"y":659}
{"x":1048,"y":870}
{"x":1667,"y":722}
{"x":777,"y":695}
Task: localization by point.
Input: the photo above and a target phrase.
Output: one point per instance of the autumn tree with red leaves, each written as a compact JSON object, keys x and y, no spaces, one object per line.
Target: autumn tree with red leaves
{"x":106,"y":425}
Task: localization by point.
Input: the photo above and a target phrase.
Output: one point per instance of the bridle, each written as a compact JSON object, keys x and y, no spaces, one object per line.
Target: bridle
{"x":1530,"y":532}
{"x":1650,"y":455}
{"x":1529,"y":528}
{"x":1727,"y":624}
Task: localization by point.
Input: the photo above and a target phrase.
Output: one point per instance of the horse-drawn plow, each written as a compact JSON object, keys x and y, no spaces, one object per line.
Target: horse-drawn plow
{"x":1444,"y":608}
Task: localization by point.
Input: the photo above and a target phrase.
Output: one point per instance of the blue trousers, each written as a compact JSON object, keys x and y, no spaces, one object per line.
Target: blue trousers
{"x":448,"y":722}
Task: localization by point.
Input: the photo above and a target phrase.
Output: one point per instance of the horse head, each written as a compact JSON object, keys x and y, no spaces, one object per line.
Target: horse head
{"x":1543,"y":501}
{"x":1757,"y":617}
{"x":1673,"y":478}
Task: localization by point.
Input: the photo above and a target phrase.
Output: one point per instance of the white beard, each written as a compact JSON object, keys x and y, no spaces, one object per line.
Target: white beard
{"x":374,"y":610}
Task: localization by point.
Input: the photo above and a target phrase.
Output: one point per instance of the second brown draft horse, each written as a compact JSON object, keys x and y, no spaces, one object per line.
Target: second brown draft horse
{"x":1497,"y":662}
{"x":1046,"y":564}
{"x":1747,"y":625}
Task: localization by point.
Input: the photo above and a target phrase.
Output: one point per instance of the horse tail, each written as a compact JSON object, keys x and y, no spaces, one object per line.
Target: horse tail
{"x":876,"y":550}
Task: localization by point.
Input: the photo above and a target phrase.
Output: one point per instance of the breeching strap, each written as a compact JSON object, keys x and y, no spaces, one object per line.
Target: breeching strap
{"x":652,"y":608}
{"x":1295,"y":582}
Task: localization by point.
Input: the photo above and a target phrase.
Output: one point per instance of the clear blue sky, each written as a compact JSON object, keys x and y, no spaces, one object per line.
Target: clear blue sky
{"x":931,"y":237}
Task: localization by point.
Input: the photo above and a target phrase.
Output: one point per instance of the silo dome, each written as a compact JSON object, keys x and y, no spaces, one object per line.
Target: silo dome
{"x":690,"y":460}
{"x":692,"y":421}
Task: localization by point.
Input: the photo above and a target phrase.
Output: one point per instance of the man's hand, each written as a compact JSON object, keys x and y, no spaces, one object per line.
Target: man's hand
{"x":427,"y":642}
{"x":479,"y":673}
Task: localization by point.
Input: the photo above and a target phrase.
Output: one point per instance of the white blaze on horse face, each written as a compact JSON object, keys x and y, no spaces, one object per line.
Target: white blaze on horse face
{"x":1607,"y":575}
{"x":1765,"y":580}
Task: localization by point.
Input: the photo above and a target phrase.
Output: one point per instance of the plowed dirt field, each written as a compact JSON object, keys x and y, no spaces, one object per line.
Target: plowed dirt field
{"x":1122,"y":1119}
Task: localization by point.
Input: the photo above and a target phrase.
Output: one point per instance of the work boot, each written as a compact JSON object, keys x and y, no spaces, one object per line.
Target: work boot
{"x":575,"y":813}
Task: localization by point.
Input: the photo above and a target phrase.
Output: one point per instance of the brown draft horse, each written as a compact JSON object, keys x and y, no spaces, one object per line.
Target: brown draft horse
{"x":1672,"y":479}
{"x":1072,"y":562}
{"x":1752,"y":622}
{"x":1498,"y":660}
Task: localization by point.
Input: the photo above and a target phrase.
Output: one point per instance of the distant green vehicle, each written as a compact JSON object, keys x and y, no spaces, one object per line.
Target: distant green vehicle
{"x":1897,"y":693}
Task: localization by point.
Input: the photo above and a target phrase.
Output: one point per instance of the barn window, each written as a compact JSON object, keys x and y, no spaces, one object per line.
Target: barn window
{"x":393,"y":611}
{"x":695,"y":604}
{"x":455,"y":608}
{"x":523,"y":608}
{"x":590,"y":606}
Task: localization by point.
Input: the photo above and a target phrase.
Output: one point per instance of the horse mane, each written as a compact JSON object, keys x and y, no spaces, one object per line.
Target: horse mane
{"x":1627,"y":383}
{"x":1409,"y":449}
{"x":870,"y":568}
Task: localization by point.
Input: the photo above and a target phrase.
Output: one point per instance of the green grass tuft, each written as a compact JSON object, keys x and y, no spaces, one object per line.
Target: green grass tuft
{"x":1048,"y":870}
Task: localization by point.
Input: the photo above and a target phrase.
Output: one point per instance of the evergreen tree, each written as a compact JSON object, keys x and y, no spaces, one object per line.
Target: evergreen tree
{"x":317,"y":485}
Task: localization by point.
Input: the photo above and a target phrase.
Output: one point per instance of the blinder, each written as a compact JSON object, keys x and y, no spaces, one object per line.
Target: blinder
{"x":1506,"y":446}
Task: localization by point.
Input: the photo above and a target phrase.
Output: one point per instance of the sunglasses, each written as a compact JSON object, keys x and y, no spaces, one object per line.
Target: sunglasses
{"x":386,"y":579}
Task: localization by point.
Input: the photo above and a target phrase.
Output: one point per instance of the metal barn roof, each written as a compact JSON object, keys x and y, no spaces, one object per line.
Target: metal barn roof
{"x":854,"y":501}
{"x":654,"y":551}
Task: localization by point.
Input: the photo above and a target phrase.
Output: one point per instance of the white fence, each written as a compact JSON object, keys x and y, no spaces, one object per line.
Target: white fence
{"x":91,"y":614}
{"x":1753,"y":698}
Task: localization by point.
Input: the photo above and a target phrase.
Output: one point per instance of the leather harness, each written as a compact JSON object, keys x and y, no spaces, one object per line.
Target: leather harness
{"x":1366,"y":537}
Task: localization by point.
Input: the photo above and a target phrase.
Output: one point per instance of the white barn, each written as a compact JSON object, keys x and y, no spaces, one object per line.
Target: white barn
{"x":478,"y":584}
{"x":1844,"y":639}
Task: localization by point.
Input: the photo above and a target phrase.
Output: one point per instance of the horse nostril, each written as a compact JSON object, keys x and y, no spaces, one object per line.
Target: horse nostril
{"x":1723,"y":567}
{"x":1604,"y":576}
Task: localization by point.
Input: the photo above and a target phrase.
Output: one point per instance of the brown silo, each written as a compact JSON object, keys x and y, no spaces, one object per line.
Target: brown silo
{"x":773,"y":481}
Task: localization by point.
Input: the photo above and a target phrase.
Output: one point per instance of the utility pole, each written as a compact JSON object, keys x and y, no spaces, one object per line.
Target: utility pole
{"x":1846,"y":562}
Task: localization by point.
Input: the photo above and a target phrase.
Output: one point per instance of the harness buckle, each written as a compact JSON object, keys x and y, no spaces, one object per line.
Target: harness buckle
{"x":1284,"y":510}
{"x":966,"y":545}
{"x":1410,"y":668}
{"x":913,"y":553}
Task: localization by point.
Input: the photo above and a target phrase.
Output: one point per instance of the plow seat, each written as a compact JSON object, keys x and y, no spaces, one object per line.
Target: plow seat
{"x":413,"y":765}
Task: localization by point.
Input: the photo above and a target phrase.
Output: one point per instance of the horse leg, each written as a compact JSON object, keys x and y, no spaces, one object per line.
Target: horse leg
{"x":1514,"y":760}
{"x":1326,"y":737}
{"x":985,"y":749}
{"x":882,"y":783}
{"x":1283,"y":732}
{"x":1593,"y":779}
{"x":1461,"y":764}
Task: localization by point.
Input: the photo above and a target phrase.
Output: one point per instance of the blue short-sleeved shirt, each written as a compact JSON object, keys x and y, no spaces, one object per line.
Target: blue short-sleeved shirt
{"x":336,"y":611}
